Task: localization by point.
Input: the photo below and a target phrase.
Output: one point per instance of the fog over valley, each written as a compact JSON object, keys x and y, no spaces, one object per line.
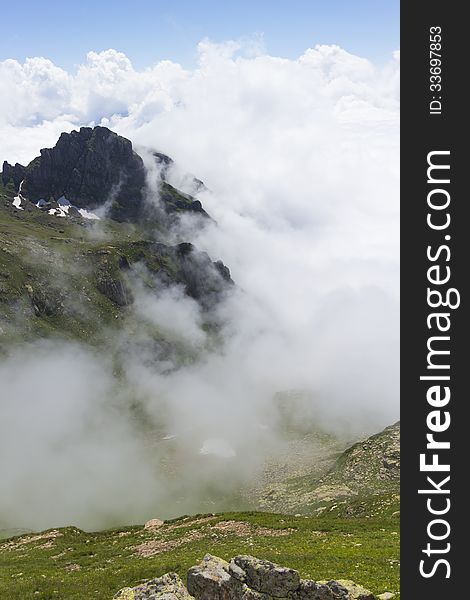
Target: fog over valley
{"x":241,"y":318}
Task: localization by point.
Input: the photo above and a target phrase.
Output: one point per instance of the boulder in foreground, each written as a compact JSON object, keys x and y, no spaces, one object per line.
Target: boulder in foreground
{"x":243,"y":578}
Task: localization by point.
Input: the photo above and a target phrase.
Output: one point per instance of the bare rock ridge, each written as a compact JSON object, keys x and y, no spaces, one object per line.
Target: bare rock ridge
{"x":243,"y":578}
{"x":95,"y":168}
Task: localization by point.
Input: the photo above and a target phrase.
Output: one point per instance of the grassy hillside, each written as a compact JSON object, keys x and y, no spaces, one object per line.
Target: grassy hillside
{"x":73,"y":565}
{"x":366,"y":470}
{"x":73,"y":278}
{"x":69,"y":278}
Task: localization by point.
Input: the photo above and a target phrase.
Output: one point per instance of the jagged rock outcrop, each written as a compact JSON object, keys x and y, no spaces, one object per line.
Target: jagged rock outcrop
{"x":90,"y":167}
{"x":13,"y":175}
{"x":96,"y":168}
{"x":203,"y":280}
{"x":184,"y":265}
{"x":243,"y":578}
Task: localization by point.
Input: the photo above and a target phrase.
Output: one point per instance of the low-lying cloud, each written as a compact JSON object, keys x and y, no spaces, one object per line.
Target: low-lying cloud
{"x":300,"y":161}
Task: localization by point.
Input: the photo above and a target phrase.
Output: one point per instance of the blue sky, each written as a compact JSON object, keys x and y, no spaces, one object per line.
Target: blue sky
{"x":151,"y":30}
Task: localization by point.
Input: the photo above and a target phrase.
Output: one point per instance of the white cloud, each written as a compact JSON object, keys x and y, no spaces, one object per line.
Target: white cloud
{"x":301,"y":159}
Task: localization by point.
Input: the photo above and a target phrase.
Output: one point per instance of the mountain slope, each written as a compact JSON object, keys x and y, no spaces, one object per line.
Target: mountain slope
{"x":64,"y":273}
{"x":368,"y":470}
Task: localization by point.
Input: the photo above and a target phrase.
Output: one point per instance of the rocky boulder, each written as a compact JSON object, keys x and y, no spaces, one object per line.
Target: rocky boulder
{"x":212,"y":579}
{"x":249,"y":578}
{"x":243,"y":578}
{"x":264,"y":576}
{"x":167,"y":587}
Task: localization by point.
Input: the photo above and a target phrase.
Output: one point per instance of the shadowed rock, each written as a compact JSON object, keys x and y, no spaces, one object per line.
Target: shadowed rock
{"x":90,"y":167}
{"x":95,"y":168}
{"x":13,"y":174}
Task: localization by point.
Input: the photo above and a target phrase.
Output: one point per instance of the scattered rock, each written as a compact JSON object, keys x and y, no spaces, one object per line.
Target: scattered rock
{"x":386,"y":596}
{"x":153,"y":524}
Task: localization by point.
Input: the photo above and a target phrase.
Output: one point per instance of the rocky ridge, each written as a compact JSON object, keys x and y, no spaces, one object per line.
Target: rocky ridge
{"x":95,"y":168}
{"x":243,"y":578}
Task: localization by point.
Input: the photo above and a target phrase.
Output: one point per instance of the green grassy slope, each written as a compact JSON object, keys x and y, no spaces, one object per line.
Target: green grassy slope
{"x":73,"y":565}
{"x":69,"y":277}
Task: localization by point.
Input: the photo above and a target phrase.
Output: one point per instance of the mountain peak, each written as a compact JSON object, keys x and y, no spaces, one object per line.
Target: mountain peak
{"x":94,"y":168}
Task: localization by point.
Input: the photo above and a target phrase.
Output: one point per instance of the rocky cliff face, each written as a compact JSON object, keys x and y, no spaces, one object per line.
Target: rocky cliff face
{"x":13,"y":175}
{"x":96,"y":168}
{"x":243,"y":578}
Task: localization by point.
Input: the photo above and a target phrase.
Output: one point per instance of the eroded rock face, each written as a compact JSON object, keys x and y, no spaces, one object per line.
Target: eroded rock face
{"x":167,"y":587}
{"x":89,"y":167}
{"x":13,"y":174}
{"x":94,"y":168}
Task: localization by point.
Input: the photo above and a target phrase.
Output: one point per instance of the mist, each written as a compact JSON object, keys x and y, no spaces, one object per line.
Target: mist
{"x":300,"y":164}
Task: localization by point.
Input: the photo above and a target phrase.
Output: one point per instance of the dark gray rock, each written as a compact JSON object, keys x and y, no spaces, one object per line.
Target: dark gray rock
{"x":96,"y":168}
{"x":13,"y":174}
{"x":204,"y":280}
{"x":90,"y":167}
{"x":114,"y":289}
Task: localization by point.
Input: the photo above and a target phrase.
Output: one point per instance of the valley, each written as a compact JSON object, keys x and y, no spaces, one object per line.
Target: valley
{"x":130,"y":393}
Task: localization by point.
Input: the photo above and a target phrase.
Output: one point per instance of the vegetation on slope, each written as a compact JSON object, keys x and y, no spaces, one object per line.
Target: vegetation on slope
{"x":70,"y":277}
{"x":72,"y":564}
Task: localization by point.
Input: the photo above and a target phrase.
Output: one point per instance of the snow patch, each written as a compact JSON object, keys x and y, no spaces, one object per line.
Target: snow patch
{"x":17,"y":202}
{"x":17,"y":199}
{"x":87,"y":214}
{"x":65,"y":205}
{"x":217,"y":447}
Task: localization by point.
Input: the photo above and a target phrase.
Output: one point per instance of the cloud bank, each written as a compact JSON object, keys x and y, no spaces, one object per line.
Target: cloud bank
{"x":300,"y":158}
